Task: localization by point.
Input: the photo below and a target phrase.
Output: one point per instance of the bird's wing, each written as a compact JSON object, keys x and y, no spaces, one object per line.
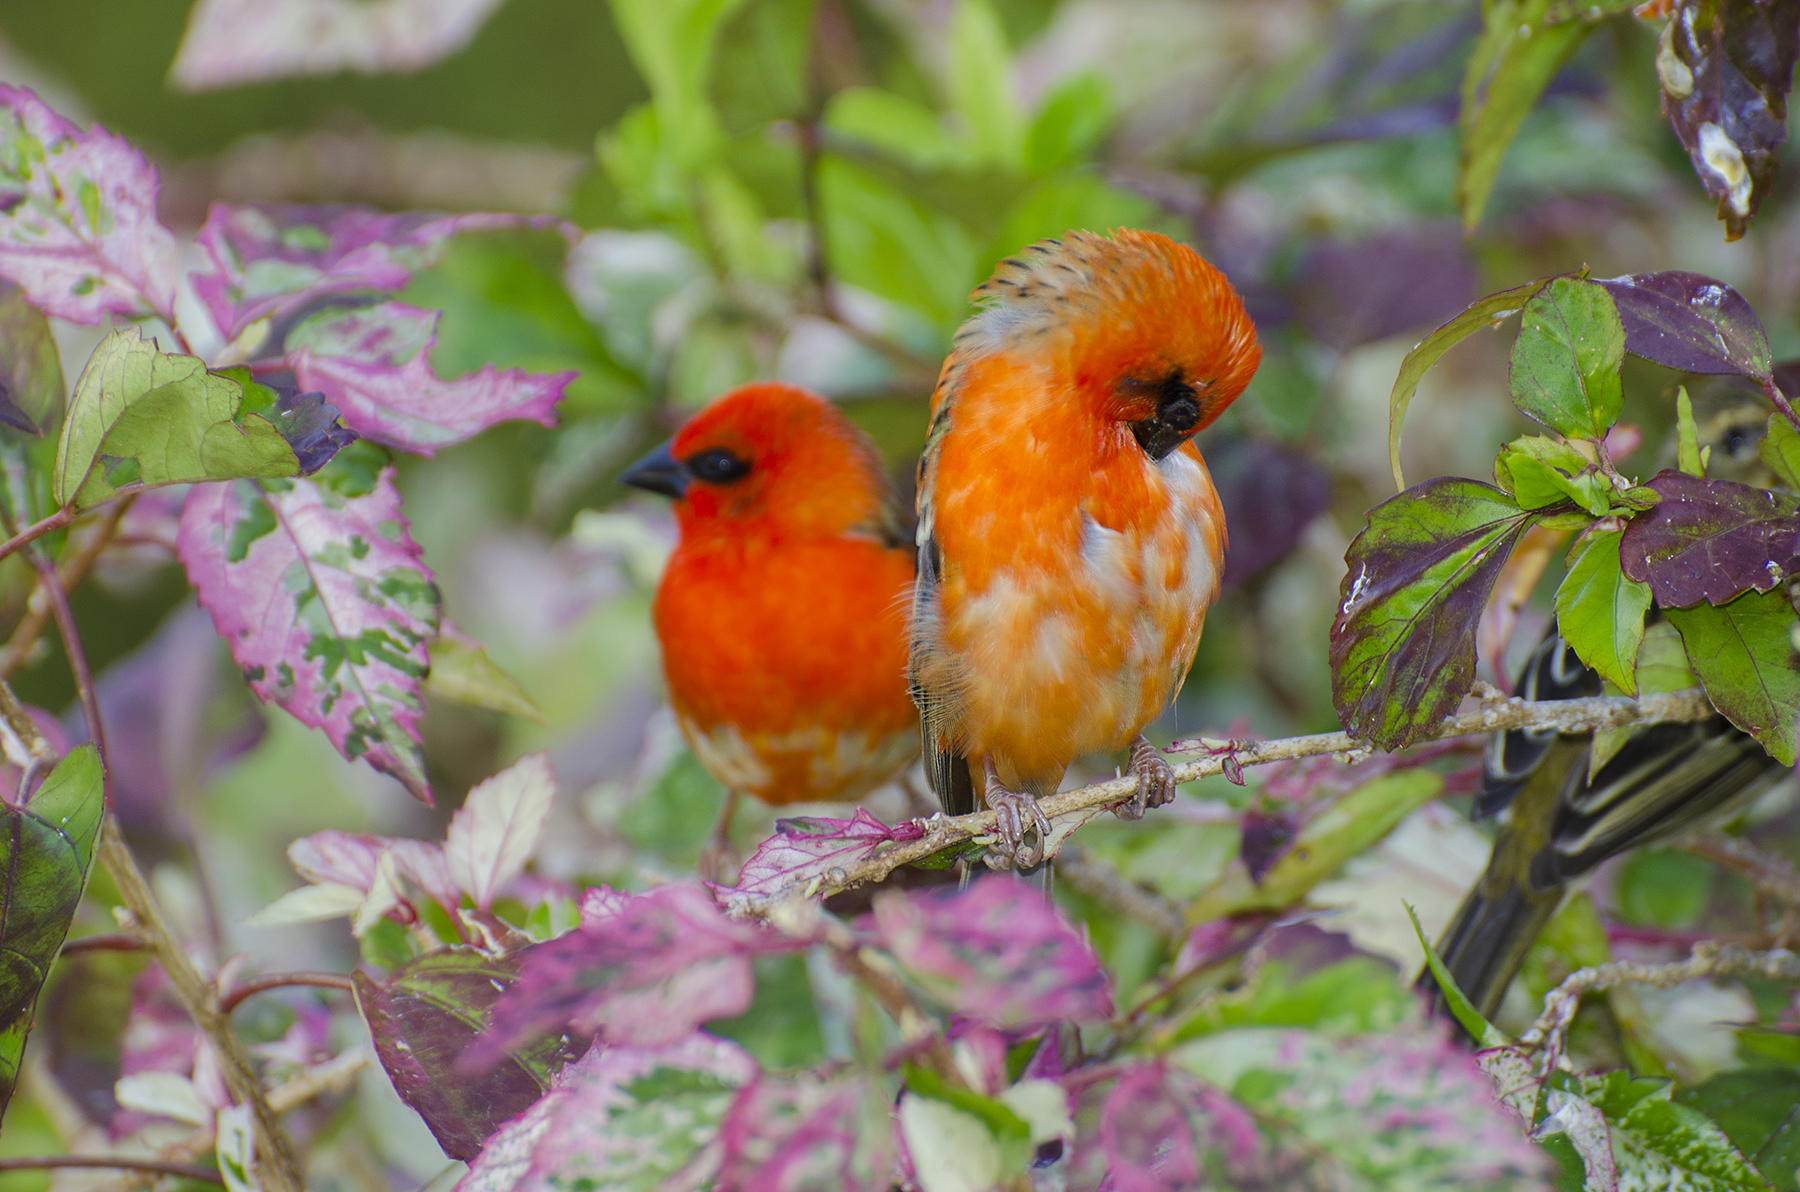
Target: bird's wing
{"x":1551,"y":672}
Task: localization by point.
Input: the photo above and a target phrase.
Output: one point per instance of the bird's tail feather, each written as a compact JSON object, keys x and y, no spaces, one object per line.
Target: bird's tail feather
{"x":1487,"y":942}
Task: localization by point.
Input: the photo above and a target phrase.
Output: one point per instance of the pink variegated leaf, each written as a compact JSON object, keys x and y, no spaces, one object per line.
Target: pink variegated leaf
{"x":231,"y":42}
{"x":351,"y":858}
{"x":1148,"y":1141}
{"x":808,"y":1134}
{"x":273,"y":260}
{"x":326,"y":605}
{"x":621,"y":1117}
{"x":374,"y":365}
{"x":808,"y":847}
{"x":658,"y":967}
{"x":995,"y":952}
{"x":78,"y":226}
{"x":491,"y":836}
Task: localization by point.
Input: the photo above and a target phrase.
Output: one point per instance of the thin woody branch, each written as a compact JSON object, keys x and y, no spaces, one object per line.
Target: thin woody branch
{"x":1068,"y":810}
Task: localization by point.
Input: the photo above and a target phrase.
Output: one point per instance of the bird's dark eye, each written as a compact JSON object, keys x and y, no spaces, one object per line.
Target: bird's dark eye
{"x":718,"y":466}
{"x":1734,"y":442}
{"x":1177,"y":413}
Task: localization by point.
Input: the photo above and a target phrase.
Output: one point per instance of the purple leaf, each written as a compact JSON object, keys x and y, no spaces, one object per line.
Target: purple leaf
{"x":172,"y":719}
{"x":1265,"y":837}
{"x":78,"y":227}
{"x":1218,"y":940}
{"x":995,"y":952}
{"x":1710,"y":540}
{"x":374,"y":364}
{"x":159,"y":1036}
{"x":1348,"y":295}
{"x":1725,"y":70}
{"x":1149,"y":1146}
{"x":621,"y":1117}
{"x":805,"y":848}
{"x":231,"y":42}
{"x":326,"y":606}
{"x":424,"y":1015}
{"x":1689,"y":322}
{"x":274,"y":261}
{"x":309,"y":424}
{"x":806,"y":1134}
{"x":1270,"y":494}
{"x":649,"y":973}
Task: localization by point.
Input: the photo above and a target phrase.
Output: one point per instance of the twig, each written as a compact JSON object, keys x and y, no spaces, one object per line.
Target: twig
{"x":37,"y":530}
{"x":1709,"y":959}
{"x":115,"y":941}
{"x":71,"y":572}
{"x":185,"y":1170}
{"x":276,"y":1162}
{"x":1068,"y":810}
{"x":1772,"y":875}
{"x":1100,"y":880}
{"x":231,"y":1000}
{"x":1780,"y":399}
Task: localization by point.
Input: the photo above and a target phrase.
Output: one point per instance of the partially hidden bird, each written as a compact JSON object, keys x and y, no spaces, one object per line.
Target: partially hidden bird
{"x":1070,"y":540}
{"x":1559,"y":822}
{"x":782,"y":612}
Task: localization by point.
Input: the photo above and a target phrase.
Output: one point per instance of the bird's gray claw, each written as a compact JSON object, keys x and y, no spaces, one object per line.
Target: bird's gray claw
{"x":1011,"y":808}
{"x":1156,"y":781}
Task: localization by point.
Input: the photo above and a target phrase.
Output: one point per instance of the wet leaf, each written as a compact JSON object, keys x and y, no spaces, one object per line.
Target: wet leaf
{"x":494,"y":832}
{"x":651,"y":971}
{"x":1689,"y":322}
{"x":46,"y":852}
{"x":1403,"y":642}
{"x":805,"y":848}
{"x":1600,"y":611}
{"x":1565,"y":362}
{"x":1743,"y":655}
{"x":78,"y":227}
{"x":424,"y":1015}
{"x":374,"y":364}
{"x":1710,"y":540}
{"x":1726,"y":67}
{"x":326,"y":605}
{"x":1483,"y":312}
{"x":637,"y":1118}
{"x":232,"y":42}
{"x":995,"y":953}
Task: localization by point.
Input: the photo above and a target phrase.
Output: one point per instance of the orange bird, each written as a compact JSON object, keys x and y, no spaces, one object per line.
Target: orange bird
{"x":1070,"y":539}
{"x":782,"y":612}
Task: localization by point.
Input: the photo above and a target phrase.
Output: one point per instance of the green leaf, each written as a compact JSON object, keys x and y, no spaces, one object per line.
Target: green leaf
{"x":1348,"y":827}
{"x":1664,"y":887}
{"x":782,"y":1027}
{"x":901,"y":128}
{"x":1480,"y":1029}
{"x":1403,"y":643}
{"x":31,"y":376}
{"x":1759,"y":1110}
{"x":1353,"y":996}
{"x":1520,"y":50}
{"x":1680,"y":1140}
{"x":1742,"y":652}
{"x":141,"y":417}
{"x":1484,"y":312}
{"x":1661,"y":668}
{"x":1536,"y":484}
{"x":1780,"y":449}
{"x":46,"y":853}
{"x":1687,"y":436}
{"x":462,"y":671}
{"x":895,"y":247}
{"x":980,"y":83}
{"x":1070,"y":125}
{"x":1565,"y":363}
{"x":671,"y":43}
{"x":1600,"y":611}
{"x":1079,"y":199}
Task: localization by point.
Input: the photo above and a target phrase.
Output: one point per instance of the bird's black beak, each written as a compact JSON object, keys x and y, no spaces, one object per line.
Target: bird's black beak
{"x":658,"y":472}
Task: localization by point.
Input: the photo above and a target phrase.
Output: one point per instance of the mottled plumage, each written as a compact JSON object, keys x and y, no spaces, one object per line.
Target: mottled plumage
{"x":1070,"y":539}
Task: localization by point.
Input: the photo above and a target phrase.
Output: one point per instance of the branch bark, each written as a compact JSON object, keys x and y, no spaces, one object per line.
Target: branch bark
{"x":1069,"y":810}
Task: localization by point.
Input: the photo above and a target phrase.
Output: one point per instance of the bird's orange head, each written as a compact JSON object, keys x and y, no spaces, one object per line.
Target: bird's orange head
{"x":770,"y":457}
{"x":1147,"y":336}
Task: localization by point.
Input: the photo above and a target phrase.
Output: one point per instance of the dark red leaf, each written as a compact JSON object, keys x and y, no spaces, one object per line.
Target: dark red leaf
{"x":1726,"y":67}
{"x":1690,"y":322}
{"x":1710,"y":540}
{"x":424,"y":1016}
{"x":1270,"y":495}
{"x":1266,"y":835}
{"x":1352,"y":294}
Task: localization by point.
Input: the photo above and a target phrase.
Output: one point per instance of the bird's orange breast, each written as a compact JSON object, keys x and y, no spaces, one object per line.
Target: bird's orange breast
{"x":1074,"y":578}
{"x":786,"y":658}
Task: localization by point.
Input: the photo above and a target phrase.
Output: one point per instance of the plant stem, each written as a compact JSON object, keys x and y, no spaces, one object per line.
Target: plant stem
{"x":1780,"y":399}
{"x":71,"y":573}
{"x":37,"y":530}
{"x":276,"y":1162}
{"x":122,"y":1162}
{"x":231,"y":1000}
{"x":117,"y":941}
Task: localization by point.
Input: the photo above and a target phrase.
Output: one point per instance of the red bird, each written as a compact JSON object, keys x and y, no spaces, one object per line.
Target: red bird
{"x":1070,"y":539}
{"x":782,"y":612}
